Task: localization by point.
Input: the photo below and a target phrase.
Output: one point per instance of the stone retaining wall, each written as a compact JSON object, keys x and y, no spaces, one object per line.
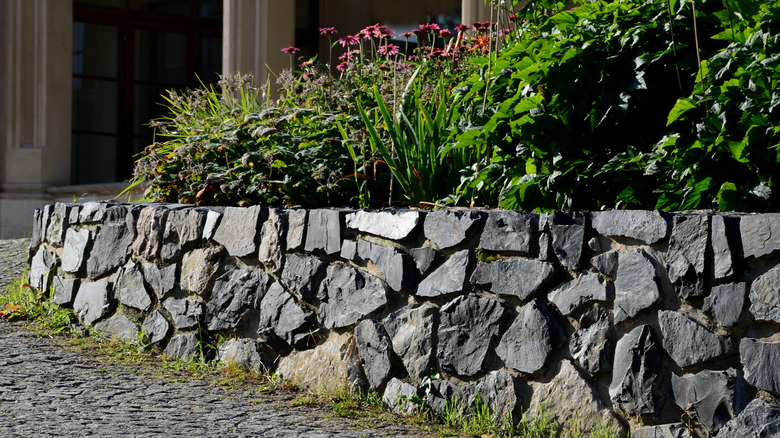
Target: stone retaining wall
{"x":662,"y":324}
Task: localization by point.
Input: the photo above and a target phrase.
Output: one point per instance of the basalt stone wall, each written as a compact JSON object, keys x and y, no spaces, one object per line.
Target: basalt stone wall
{"x":663,"y":324}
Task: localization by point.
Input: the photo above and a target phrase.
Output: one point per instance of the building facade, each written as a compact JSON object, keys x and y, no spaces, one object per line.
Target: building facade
{"x":81,"y":79}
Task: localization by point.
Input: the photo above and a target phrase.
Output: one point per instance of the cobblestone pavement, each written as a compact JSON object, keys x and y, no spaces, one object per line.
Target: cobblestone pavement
{"x":47,"y":390}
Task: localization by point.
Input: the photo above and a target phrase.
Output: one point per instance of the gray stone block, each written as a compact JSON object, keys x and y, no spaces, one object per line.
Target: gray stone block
{"x":182,"y":347}
{"x":198,"y":268}
{"x":183,"y":228}
{"x":58,"y":224}
{"x":390,"y":224}
{"x":41,"y":269}
{"x":119,"y":326}
{"x":527,"y":344}
{"x":376,"y":352}
{"x":235,"y":295}
{"x":40,"y":223}
{"x":74,"y":251}
{"x":149,"y":232}
{"x":244,"y":353}
{"x":638,"y":384}
{"x":238,"y":230}
{"x":93,"y":301}
{"x":348,"y":250}
{"x":582,"y":290}
{"x":129,"y":288}
{"x":511,"y":231}
{"x":296,"y":229}
{"x":636,"y":285}
{"x":213,"y":218}
{"x":323,"y":231}
{"x":448,"y":278}
{"x":348,"y":295}
{"x":673,"y":430}
{"x":760,"y":234}
{"x":155,"y":327}
{"x":685,"y":260}
{"x":111,"y":247}
{"x":65,"y":290}
{"x":92,"y":212}
{"x":722,"y":252}
{"x":760,"y":360}
{"x":605,"y":263}
{"x":282,"y":318}
{"x":411,"y":332}
{"x":711,"y":398}
{"x":397,"y":397}
{"x":161,"y":280}
{"x":688,"y":342}
{"x":424,"y":258}
{"x":185,"y":312}
{"x":302,"y":275}
{"x":591,"y":346}
{"x":517,"y":277}
{"x":760,"y":419}
{"x":727,"y":303}
{"x":500,"y":391}
{"x":646,"y":226}
{"x":447,"y":228}
{"x":272,"y":240}
{"x":568,"y":232}
{"x":469,"y":324}
{"x":398,"y":268}
{"x":764,"y":296}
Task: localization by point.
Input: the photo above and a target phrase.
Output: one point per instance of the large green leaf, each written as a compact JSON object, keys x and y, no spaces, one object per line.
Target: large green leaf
{"x":683,"y":105}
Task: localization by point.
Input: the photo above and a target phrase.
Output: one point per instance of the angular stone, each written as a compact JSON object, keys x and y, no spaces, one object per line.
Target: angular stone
{"x":638,"y":373}
{"x":672,"y":430}
{"x":64,"y":290}
{"x":119,"y":326}
{"x":111,"y":248}
{"x":149,"y":232}
{"x":688,"y":342}
{"x":213,"y":218}
{"x":323,"y":231}
{"x":594,"y":244}
{"x":685,"y":254}
{"x":605,"y":263}
{"x":376,"y":352}
{"x":296,"y":229}
{"x":397,"y":268}
{"x":643,"y":225}
{"x":636,"y":285}
{"x":182,"y":347}
{"x":183,"y":228}
{"x":92,"y":212}
{"x":244,"y":353}
{"x":727,"y":303}
{"x":198,"y":267}
{"x":348,"y":250}
{"x":273,"y":239}
{"x":511,"y":231}
{"x":568,"y":237}
{"x":711,"y":398}
{"x":411,"y":332}
{"x":398,"y":397}
{"x":760,"y":419}
{"x":469,"y":324}
{"x":161,"y":280}
{"x":760,"y":361}
{"x":546,"y":253}
{"x":760,"y":234}
{"x":58,"y":223}
{"x":347,"y":296}
{"x":722,"y":252}
{"x":444,"y":395}
{"x":74,"y":251}
{"x":448,"y":228}
{"x":527,"y":344}
{"x":41,"y":267}
{"x":235,"y":295}
{"x":129,"y":288}
{"x":302,"y":274}
{"x":498,"y":390}
{"x":584,"y":289}
{"x":185,"y":312}
{"x":424,"y":258}
{"x":40,"y":223}
{"x":283,"y":318}
{"x":73,"y":217}
{"x":238,"y":230}
{"x":591,"y":347}
{"x":517,"y":277}
{"x":765,"y":296}
{"x":571,"y":400}
{"x":390,"y":224}
{"x":329,"y":366}
{"x":155,"y":327}
{"x":93,"y":301}
{"x":448,"y":278}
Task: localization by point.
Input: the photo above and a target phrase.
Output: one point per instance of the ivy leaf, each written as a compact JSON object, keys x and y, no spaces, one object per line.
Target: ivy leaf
{"x":681,"y":107}
{"x":729,"y":198}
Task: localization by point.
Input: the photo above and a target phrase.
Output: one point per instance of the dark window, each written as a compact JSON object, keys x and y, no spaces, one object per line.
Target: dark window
{"x":126,"y":54}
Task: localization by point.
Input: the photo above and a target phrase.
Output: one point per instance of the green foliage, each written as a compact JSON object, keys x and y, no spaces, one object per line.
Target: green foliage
{"x":20,"y":302}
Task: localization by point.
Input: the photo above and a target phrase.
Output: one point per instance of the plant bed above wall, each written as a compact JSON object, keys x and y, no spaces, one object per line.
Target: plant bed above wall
{"x":634,"y":319}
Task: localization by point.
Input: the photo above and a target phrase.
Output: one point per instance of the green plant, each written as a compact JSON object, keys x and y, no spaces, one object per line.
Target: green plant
{"x":20,"y":302}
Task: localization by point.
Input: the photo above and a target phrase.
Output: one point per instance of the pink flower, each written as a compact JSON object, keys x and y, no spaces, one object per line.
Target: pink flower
{"x":444,"y":33}
{"x":462,"y":28}
{"x":328,"y":31}
{"x":291,"y":50}
{"x":389,"y":49}
{"x":406,"y":34}
{"x":308,"y":76}
{"x":349,"y":40}
{"x":342,"y":67}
